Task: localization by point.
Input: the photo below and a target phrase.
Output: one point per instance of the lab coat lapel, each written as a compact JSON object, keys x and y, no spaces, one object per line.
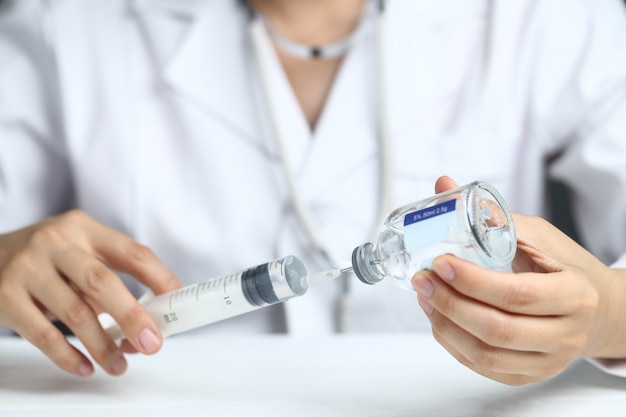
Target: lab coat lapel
{"x":209,"y":66}
{"x":423,"y":51}
{"x":414,"y":74}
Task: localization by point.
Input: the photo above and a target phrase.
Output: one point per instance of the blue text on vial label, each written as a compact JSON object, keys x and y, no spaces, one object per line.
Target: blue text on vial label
{"x":430,"y":225}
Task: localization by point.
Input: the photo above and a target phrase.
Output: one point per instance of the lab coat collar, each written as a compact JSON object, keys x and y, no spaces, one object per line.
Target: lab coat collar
{"x":182,"y":9}
{"x":204,"y":67}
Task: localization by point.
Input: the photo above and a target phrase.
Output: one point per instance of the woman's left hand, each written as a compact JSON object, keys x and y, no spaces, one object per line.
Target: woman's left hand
{"x":560,"y":304}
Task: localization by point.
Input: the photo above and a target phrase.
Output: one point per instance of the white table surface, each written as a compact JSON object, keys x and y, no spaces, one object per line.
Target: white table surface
{"x":355,"y":375}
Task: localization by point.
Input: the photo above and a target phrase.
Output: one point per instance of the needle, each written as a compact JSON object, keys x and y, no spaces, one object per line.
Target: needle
{"x":325,"y":276}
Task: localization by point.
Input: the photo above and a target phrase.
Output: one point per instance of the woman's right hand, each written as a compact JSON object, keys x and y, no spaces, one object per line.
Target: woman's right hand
{"x":62,"y":268}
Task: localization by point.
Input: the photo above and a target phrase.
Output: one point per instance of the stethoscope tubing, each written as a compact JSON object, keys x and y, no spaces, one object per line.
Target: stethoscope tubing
{"x":261,"y":44}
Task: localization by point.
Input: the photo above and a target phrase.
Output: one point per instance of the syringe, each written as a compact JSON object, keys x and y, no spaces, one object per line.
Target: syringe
{"x":220,"y":298}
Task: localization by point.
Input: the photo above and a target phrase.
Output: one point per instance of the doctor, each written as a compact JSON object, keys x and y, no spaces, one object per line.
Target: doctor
{"x":149,"y":144}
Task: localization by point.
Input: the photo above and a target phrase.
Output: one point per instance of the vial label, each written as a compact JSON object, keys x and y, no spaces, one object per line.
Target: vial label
{"x":429,"y":226}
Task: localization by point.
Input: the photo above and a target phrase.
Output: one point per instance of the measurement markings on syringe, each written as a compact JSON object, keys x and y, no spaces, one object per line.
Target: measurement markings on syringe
{"x":211,"y":287}
{"x":185,"y":293}
{"x":229,"y":280}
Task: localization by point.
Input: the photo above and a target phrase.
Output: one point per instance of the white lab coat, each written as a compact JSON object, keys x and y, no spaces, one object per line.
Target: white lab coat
{"x":147,"y":115}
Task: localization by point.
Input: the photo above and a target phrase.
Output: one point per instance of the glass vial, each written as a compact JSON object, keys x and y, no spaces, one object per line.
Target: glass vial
{"x":472,"y":222}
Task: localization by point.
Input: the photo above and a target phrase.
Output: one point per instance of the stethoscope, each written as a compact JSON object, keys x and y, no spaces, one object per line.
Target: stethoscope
{"x":264,"y":37}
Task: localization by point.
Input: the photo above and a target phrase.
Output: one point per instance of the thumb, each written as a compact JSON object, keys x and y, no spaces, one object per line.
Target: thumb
{"x":444,"y":183}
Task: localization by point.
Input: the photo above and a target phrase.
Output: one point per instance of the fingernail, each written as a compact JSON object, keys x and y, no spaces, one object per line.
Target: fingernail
{"x":426,"y":306}
{"x":84,"y":369}
{"x":444,"y":270}
{"x":149,"y":341}
{"x":423,"y":286}
{"x":118,"y":366}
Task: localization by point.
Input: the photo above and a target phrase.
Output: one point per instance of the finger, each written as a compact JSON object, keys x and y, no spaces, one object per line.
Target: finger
{"x":100,"y":283}
{"x":127,"y":347}
{"x":510,"y":378}
{"x":126,"y":255}
{"x":542,"y":246}
{"x":523,"y":293}
{"x":78,"y":316}
{"x":492,"y":326}
{"x":494,"y":362}
{"x":29,"y":322}
{"x":444,"y":183}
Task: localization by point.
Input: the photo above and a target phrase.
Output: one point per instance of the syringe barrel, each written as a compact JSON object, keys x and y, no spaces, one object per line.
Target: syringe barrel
{"x":224,"y":297}
{"x":274,"y":282}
